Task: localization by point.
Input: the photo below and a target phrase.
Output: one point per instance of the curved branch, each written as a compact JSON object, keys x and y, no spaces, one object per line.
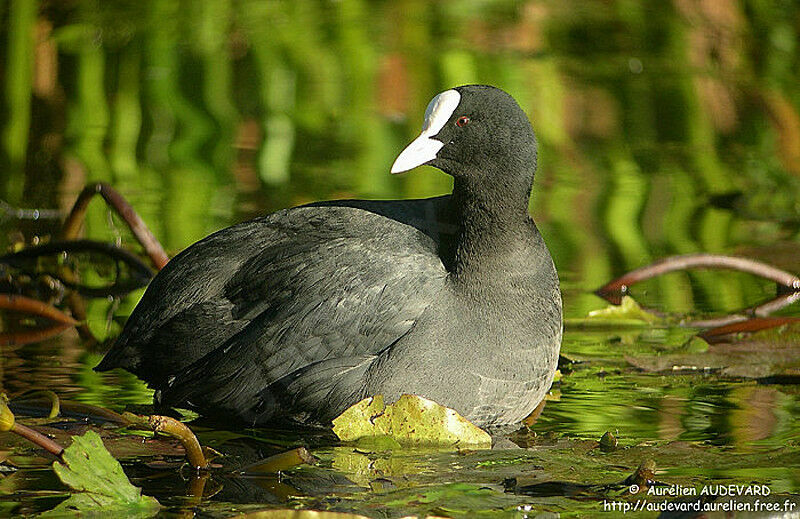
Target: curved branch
{"x":614,"y":290}
{"x":32,"y":306}
{"x":32,"y":335}
{"x":141,"y":273}
{"x":747,"y":326}
{"x":112,"y":197}
{"x":759,"y":311}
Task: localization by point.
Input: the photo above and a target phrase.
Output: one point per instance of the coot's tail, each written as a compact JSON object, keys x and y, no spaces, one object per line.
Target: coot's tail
{"x":122,"y":356}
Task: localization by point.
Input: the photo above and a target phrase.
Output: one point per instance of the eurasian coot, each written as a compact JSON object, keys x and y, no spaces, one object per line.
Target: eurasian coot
{"x":301,"y":313}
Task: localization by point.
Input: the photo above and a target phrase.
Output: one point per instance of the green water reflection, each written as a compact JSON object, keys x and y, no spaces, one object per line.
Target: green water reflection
{"x":663,"y":127}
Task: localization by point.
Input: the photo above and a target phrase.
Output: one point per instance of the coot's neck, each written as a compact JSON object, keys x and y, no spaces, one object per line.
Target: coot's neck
{"x":494,"y":225}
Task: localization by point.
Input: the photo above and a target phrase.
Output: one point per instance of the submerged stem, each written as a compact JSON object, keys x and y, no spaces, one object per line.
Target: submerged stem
{"x":143,"y":234}
{"x":174,"y":428}
{"x":614,"y":290}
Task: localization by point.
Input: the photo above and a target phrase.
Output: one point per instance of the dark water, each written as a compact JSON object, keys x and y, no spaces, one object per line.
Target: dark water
{"x":664,"y":128}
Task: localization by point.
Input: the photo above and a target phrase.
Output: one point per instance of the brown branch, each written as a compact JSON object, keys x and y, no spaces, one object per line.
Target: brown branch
{"x":614,"y":290}
{"x":27,"y":305}
{"x":8,"y":423}
{"x":39,"y":439}
{"x":748,"y":326}
{"x":140,"y":272}
{"x":762,"y":310}
{"x":33,"y":335}
{"x":73,"y":222}
{"x":773,"y":305}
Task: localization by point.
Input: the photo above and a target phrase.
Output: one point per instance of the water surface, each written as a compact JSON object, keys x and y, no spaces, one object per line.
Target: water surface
{"x":664,"y":128}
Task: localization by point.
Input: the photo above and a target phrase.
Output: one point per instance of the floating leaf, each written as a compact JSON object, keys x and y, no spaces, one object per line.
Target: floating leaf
{"x":280,"y":462}
{"x":627,"y":314}
{"x":695,"y":345}
{"x":629,"y":309}
{"x":766,"y":353}
{"x":412,"y":420}
{"x":356,"y":421}
{"x":301,"y":514}
{"x":100,"y":483}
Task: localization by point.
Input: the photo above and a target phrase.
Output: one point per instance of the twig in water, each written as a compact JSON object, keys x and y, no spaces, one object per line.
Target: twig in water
{"x":614,"y":290}
{"x":34,"y":307}
{"x":174,"y":428}
{"x":8,"y":423}
{"x":141,"y":274}
{"x":28,"y":214}
{"x":73,"y":222}
{"x":750,"y":325}
{"x":751,"y":319}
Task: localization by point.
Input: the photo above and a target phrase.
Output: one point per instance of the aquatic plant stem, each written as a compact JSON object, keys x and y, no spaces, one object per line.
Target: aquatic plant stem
{"x":39,"y":439}
{"x":614,"y":290}
{"x":762,"y":310}
{"x":50,"y":396}
{"x":755,"y":324}
{"x":34,"y":307}
{"x":30,"y":306}
{"x":141,"y":273}
{"x":280,"y":462}
{"x":33,"y":335}
{"x":8,"y":423}
{"x":174,"y":428}
{"x":73,"y":222}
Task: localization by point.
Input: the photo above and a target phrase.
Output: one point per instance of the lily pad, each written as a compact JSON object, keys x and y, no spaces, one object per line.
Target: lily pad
{"x":627,"y":314}
{"x":412,"y":420}
{"x":301,"y":514}
{"x":763,"y":354}
{"x":100,"y":484}
{"x":628,"y":309}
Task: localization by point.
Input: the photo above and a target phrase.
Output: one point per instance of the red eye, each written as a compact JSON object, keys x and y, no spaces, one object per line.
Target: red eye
{"x":462,"y":121}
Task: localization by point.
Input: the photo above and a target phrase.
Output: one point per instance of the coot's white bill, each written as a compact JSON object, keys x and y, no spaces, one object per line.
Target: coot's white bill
{"x":425,"y":147}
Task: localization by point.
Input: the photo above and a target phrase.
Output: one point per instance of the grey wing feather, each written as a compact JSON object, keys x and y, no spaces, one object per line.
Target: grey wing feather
{"x":163,"y":332}
{"x":355,"y":301}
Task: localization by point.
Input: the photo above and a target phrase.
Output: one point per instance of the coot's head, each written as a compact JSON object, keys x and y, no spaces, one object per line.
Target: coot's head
{"x":476,"y":133}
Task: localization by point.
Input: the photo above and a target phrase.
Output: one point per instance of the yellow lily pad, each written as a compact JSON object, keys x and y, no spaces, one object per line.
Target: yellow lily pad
{"x":412,"y":420}
{"x":627,"y":314}
{"x":628,"y":310}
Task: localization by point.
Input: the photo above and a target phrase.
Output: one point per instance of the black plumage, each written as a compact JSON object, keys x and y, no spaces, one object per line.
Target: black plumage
{"x":301,"y":313}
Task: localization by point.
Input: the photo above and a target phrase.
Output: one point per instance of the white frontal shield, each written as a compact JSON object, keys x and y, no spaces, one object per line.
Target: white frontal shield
{"x":425,"y":147}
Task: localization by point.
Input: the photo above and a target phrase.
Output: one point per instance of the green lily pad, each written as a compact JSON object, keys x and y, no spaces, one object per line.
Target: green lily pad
{"x":757,"y":357}
{"x":695,"y":345}
{"x":628,"y":310}
{"x":627,"y":314}
{"x":100,"y":484}
{"x":301,"y":514}
{"x":412,"y":420}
